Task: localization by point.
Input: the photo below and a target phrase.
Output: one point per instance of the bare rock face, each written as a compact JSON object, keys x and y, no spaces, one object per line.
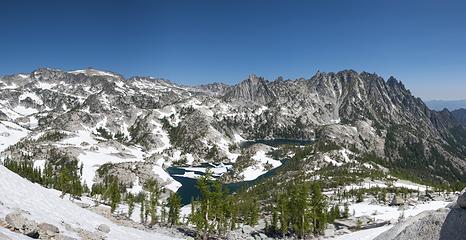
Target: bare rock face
{"x":254,"y":89}
{"x":461,"y":201}
{"x":442,"y":224}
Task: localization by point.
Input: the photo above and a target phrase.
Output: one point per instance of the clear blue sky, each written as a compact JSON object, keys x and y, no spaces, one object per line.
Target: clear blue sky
{"x":423,"y":43}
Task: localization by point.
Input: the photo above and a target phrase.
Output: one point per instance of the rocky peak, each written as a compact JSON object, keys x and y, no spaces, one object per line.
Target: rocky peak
{"x":94,"y":72}
{"x":254,"y":89}
{"x":47,"y":73}
{"x":150,"y":80}
{"x":216,"y":89}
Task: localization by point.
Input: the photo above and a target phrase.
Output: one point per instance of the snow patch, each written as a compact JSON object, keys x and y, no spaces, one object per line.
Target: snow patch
{"x":36,"y":99}
{"x":10,"y":134}
{"x":253,"y":172}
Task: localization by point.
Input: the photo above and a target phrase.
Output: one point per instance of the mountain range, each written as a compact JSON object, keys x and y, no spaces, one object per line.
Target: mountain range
{"x":143,"y":125}
{"x":448,"y":104}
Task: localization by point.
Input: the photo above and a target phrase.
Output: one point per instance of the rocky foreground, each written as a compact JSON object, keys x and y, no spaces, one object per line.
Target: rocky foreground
{"x":446,"y":223}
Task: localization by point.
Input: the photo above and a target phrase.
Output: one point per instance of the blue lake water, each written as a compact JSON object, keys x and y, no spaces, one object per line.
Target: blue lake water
{"x":188,"y":190}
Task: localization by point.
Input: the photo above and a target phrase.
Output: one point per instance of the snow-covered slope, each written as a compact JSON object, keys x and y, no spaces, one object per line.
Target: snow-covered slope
{"x":10,"y":133}
{"x":45,"y":205}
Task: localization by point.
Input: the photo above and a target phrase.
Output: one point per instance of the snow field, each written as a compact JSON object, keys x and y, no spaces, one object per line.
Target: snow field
{"x":45,"y":205}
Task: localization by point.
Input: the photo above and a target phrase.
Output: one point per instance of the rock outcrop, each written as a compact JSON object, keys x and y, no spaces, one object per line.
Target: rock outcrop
{"x":442,"y":224}
{"x":18,"y":222}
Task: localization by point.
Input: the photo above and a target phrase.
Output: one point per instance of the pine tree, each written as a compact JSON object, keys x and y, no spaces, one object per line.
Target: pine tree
{"x":130,"y":202}
{"x":193,"y":209}
{"x":319,"y":212}
{"x":115,"y":196}
{"x":154,"y":191}
{"x":299,"y":208}
{"x":201,"y":215}
{"x":142,"y":197}
{"x":63,"y":181}
{"x":233,"y":209}
{"x":251,"y":207}
{"x":217,"y":210}
{"x":163,"y":214}
{"x":174,"y":205}
{"x":284,"y":215}
{"x":76,"y":188}
{"x":274,"y":226}
{"x":148,"y":211}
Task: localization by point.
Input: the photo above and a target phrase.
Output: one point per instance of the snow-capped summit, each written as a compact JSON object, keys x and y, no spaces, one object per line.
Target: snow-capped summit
{"x":94,"y":72}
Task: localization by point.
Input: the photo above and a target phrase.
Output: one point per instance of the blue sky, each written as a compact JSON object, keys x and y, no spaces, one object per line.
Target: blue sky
{"x":422,"y":43}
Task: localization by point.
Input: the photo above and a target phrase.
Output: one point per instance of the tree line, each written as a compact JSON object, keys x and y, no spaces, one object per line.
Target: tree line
{"x":63,"y":174}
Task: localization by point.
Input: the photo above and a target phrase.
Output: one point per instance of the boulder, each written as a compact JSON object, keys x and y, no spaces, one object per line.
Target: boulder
{"x":233,"y":235}
{"x":103,"y":228}
{"x":397,"y":201}
{"x":329,"y":231}
{"x":263,"y":236}
{"x":48,"y":228}
{"x":375,"y":224}
{"x":64,"y":237}
{"x":346,"y":223}
{"x":342,"y":231}
{"x":247,"y":230}
{"x":15,"y":220}
{"x":461,"y":201}
{"x":25,"y":226}
{"x":87,"y":235}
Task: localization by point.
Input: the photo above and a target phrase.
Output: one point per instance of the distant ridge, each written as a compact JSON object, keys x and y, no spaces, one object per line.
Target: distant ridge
{"x":448,"y":104}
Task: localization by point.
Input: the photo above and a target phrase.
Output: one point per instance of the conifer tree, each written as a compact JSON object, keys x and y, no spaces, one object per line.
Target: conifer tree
{"x":274,"y":226}
{"x":148,"y":211}
{"x":63,"y":181}
{"x":114,"y":194}
{"x":142,"y":197}
{"x":204,"y":208}
{"x":233,"y":210}
{"x":284,"y":215}
{"x":130,"y":202}
{"x":193,"y":210}
{"x":163,"y":214}
{"x":154,"y":191}
{"x":299,"y":208}
{"x":174,"y":206}
{"x":319,"y":213}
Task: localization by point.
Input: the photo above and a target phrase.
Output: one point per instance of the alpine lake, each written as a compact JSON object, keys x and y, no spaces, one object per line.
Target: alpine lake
{"x":189,"y":190}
